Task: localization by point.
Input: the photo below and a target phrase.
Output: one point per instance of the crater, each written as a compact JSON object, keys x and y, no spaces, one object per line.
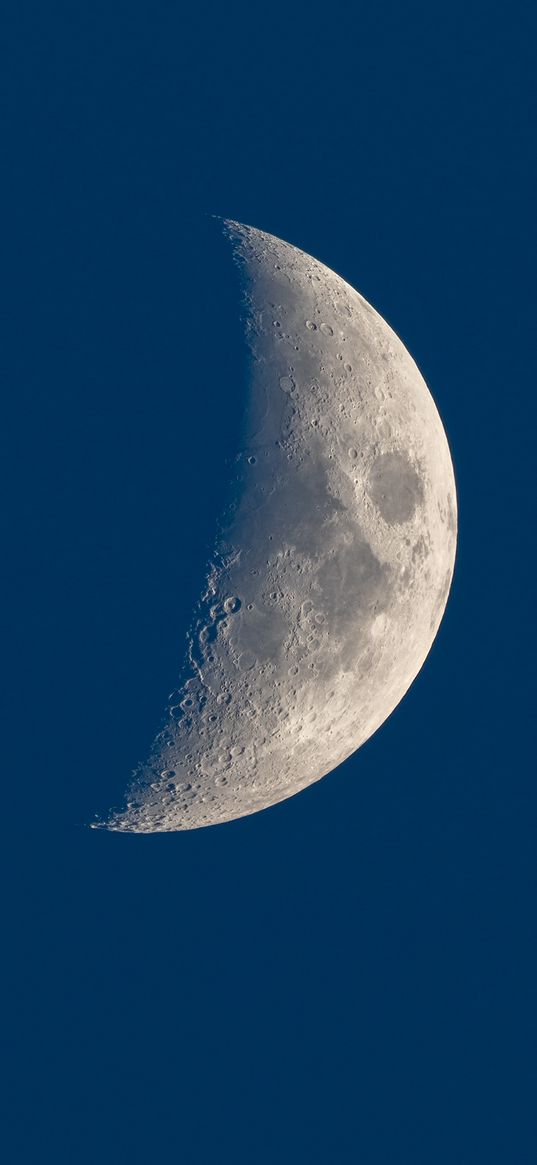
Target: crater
{"x":232,"y":605}
{"x":246,"y":660}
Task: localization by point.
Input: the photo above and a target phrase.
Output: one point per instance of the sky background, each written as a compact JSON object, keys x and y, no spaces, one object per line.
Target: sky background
{"x":347,"y":978}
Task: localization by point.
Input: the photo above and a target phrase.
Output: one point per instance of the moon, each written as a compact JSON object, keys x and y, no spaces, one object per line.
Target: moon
{"x":332,"y":562}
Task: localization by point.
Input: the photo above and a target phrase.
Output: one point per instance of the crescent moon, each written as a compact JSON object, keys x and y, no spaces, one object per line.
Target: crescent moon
{"x":332,"y":560}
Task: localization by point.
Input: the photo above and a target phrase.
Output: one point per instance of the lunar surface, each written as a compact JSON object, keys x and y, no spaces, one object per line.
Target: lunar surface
{"x":332,"y":559}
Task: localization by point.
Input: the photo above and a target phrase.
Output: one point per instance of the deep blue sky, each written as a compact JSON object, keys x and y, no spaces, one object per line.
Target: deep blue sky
{"x":346,"y":978}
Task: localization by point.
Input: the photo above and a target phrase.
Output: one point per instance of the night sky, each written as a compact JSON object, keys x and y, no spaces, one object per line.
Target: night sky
{"x":348,"y":977}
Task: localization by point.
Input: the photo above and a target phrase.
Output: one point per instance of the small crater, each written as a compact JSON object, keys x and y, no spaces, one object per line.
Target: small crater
{"x":312,"y":327}
{"x":286,"y":384}
{"x":232,"y":605}
{"x":327,"y":330}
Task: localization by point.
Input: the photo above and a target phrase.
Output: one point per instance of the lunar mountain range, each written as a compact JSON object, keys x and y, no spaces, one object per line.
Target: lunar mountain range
{"x":332,"y":561}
